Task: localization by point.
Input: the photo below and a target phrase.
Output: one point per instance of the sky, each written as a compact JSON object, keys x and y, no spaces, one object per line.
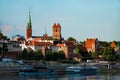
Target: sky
{"x":79,"y":19}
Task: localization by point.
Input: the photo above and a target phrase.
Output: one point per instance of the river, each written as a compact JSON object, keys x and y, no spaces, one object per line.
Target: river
{"x":99,"y":76}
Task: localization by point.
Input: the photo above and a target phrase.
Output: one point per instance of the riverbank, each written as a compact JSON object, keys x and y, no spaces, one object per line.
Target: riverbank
{"x":11,"y":68}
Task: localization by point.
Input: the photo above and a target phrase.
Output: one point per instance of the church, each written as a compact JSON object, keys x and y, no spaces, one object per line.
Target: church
{"x":54,"y":43}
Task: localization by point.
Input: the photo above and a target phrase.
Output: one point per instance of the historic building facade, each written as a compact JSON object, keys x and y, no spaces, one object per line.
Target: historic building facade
{"x":29,"y":28}
{"x":92,"y":44}
{"x":56,"y":31}
{"x":54,"y":43}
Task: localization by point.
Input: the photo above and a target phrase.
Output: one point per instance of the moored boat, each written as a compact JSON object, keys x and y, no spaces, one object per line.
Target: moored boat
{"x":82,"y":69}
{"x":36,"y":70}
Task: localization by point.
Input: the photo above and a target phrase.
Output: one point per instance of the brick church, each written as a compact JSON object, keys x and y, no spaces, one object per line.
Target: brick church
{"x":56,"y":31}
{"x":46,"y":42}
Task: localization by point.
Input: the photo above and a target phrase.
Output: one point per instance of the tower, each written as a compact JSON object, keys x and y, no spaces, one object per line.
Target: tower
{"x":29,"y":28}
{"x":56,"y":31}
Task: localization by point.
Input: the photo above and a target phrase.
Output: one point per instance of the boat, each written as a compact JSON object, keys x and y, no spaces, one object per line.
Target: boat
{"x":35,"y":71}
{"x":82,"y":69}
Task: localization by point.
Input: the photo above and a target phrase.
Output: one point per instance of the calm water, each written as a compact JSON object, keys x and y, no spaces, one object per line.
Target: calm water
{"x":100,"y":76}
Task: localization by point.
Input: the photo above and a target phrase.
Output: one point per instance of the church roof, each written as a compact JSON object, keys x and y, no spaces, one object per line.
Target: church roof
{"x":56,"y":25}
{"x":43,"y":37}
{"x":29,"y":24}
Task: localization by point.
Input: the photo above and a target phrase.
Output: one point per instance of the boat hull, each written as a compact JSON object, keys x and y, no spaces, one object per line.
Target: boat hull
{"x":35,"y":71}
{"x":82,"y":70}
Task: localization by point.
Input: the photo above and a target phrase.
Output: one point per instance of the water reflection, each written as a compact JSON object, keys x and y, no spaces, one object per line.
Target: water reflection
{"x":80,"y":76}
{"x":100,"y":76}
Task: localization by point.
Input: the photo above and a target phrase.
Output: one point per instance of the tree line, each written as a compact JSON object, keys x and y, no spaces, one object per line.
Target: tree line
{"x":38,"y":55}
{"x":108,"y":53}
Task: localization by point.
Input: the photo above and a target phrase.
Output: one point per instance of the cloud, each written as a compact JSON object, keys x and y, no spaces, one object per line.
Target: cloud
{"x":7,"y":29}
{"x":10,"y":31}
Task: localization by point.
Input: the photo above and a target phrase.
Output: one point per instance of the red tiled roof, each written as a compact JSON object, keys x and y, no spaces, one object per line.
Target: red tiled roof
{"x":35,"y":43}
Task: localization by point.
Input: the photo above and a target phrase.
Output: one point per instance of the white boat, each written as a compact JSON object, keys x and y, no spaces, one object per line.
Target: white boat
{"x":82,"y":69}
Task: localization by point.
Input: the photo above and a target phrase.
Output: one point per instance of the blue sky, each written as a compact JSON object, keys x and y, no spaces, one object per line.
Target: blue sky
{"x":80,"y":19}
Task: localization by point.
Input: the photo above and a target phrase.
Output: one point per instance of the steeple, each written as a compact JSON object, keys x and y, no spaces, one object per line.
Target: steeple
{"x":29,"y":28}
{"x":45,"y":31}
{"x":29,"y":25}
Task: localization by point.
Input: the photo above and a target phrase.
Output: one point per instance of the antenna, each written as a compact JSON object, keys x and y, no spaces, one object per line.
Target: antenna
{"x":45,"y":30}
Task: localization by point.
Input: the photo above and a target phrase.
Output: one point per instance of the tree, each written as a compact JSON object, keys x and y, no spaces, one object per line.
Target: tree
{"x":77,"y":49}
{"x":104,"y":43}
{"x":94,"y":55}
{"x":2,"y":36}
{"x":58,"y":55}
{"x":55,"y":55}
{"x":109,"y":54}
{"x":85,"y":55}
{"x":24,"y":54}
{"x":28,"y":55}
{"x":61,"y":55}
{"x":38,"y":54}
{"x":31,"y":55}
{"x":48,"y":55}
{"x":71,"y":39}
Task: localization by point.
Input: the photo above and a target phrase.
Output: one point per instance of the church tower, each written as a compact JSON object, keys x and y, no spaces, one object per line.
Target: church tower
{"x":56,"y":31}
{"x":29,"y":28}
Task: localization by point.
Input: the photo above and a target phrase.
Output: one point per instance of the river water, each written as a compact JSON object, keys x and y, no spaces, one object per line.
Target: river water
{"x":99,"y":76}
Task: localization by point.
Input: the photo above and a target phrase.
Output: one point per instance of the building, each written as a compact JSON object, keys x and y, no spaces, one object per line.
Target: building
{"x":56,"y":31}
{"x":29,"y":28}
{"x":10,"y":48}
{"x":18,"y":38}
{"x":92,"y":44}
{"x":114,"y":46}
{"x":38,"y":42}
{"x":54,"y":43}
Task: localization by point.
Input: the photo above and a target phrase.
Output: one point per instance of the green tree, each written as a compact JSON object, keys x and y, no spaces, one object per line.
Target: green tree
{"x":94,"y":55}
{"x":31,"y":55}
{"x":84,"y":55}
{"x":71,"y":39}
{"x":61,"y":55}
{"x":77,"y":49}
{"x":55,"y":56}
{"x":2,"y":36}
{"x":28,"y":55}
{"x":38,"y":54}
{"x":24,"y":54}
{"x":48,"y":55}
{"x":104,"y":43}
{"x":109,"y":54}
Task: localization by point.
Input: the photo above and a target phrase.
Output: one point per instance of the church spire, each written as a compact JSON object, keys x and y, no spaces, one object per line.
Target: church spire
{"x":45,"y":30}
{"x":29,"y":25}
{"x":29,"y":28}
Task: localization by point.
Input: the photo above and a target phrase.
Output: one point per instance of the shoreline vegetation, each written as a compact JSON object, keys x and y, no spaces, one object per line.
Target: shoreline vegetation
{"x":13,"y":68}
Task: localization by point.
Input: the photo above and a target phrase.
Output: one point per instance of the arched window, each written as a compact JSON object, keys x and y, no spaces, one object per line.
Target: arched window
{"x":56,"y":30}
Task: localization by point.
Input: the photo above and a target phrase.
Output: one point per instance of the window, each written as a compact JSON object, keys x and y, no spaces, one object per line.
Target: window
{"x":56,"y":30}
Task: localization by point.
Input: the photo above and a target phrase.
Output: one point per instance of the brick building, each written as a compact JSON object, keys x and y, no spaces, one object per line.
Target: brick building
{"x":46,"y":42}
{"x":92,"y":44}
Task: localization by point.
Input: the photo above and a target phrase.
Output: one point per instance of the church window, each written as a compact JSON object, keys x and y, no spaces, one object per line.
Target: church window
{"x":56,"y":30}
